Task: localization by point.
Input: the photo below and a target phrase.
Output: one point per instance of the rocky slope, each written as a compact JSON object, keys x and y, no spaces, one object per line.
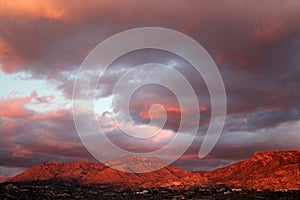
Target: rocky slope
{"x":265,"y":170}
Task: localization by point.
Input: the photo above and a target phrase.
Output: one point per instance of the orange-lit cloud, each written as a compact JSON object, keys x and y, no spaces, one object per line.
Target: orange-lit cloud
{"x":15,"y":107}
{"x":171,"y":111}
{"x":19,"y":152}
{"x":7,"y":53}
{"x":190,"y":156}
{"x":272,"y":97}
{"x":220,"y":57}
{"x":269,"y":31}
{"x":32,"y":9}
{"x":274,"y":108}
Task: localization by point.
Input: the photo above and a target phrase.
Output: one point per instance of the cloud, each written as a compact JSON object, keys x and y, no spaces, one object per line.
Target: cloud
{"x":238,"y":145}
{"x":134,"y":137}
{"x":32,"y":8}
{"x":40,"y":137}
{"x":268,"y":32}
{"x":255,"y":47}
{"x":15,"y":107}
{"x":19,"y":152}
{"x":51,"y":40}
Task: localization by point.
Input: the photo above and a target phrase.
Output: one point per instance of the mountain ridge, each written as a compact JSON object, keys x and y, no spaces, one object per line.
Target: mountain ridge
{"x":97,"y":172}
{"x":265,"y":170}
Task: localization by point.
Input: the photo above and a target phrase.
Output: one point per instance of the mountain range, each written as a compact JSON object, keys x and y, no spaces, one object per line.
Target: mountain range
{"x":265,"y":170}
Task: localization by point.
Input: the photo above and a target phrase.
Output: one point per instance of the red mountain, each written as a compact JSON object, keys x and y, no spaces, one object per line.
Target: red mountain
{"x":265,"y":170}
{"x":88,"y":172}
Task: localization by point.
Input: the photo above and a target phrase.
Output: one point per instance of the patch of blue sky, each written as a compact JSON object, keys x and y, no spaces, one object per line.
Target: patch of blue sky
{"x":21,"y":85}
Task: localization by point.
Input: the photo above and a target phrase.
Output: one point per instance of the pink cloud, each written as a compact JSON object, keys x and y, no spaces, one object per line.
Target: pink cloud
{"x":172,"y":111}
{"x":19,"y":152}
{"x":10,"y":61}
{"x":33,"y":9}
{"x":163,"y":135}
{"x":269,"y":31}
{"x":15,"y":107}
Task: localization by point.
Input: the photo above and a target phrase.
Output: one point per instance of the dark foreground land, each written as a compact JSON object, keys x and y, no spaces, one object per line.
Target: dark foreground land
{"x":69,"y":190}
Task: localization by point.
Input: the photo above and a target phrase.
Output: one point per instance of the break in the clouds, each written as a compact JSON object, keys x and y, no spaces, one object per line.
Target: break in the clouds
{"x":256,"y":46}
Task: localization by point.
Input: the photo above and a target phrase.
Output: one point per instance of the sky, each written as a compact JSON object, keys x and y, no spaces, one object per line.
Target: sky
{"x":255,"y":44}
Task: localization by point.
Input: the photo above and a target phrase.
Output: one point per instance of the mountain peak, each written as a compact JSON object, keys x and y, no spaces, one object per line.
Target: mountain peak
{"x":136,"y":164}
